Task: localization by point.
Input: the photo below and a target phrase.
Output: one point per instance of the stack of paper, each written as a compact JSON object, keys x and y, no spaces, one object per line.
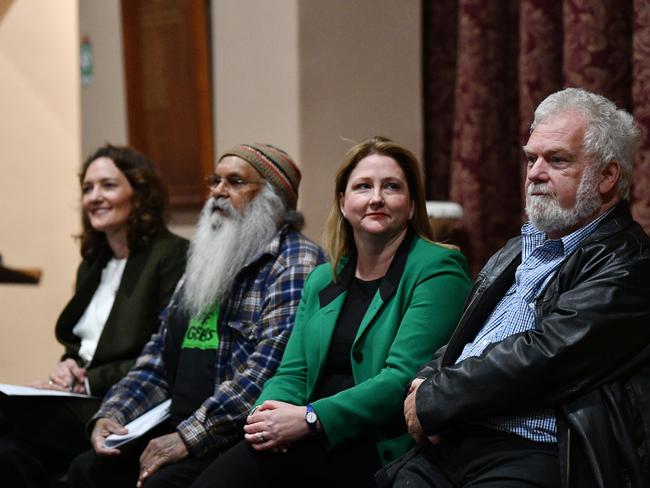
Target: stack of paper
{"x":144,"y":423}
{"x":16,"y":390}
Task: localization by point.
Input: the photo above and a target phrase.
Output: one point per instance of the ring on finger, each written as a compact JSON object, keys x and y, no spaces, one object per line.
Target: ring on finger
{"x":260,"y":437}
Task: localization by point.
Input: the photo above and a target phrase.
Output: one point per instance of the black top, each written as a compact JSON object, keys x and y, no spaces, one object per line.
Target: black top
{"x":190,"y":371}
{"x":337,"y":371}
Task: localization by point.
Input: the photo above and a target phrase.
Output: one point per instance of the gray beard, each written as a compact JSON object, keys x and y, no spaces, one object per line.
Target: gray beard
{"x":223,"y":244}
{"x":545,"y":212}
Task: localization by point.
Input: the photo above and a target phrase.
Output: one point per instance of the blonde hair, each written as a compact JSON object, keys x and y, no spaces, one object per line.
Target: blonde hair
{"x":337,"y":237}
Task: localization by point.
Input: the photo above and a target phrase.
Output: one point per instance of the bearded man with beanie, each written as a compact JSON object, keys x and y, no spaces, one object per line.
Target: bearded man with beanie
{"x":222,"y":335}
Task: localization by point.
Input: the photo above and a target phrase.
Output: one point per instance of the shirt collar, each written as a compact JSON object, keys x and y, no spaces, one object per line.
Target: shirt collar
{"x":271,"y":249}
{"x":533,"y":237}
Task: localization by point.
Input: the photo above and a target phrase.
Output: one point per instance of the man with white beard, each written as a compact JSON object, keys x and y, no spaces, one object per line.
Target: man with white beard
{"x":545,"y":382}
{"x":223,"y":333}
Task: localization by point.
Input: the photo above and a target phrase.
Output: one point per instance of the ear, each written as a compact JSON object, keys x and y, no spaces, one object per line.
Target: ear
{"x":412,"y":212}
{"x":341,"y":203}
{"x":609,"y":176}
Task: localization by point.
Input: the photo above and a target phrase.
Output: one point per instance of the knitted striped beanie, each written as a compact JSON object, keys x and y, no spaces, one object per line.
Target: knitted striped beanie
{"x":274,"y":165}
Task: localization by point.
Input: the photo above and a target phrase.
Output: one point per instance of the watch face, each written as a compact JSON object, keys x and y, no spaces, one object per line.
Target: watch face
{"x":311,"y":417}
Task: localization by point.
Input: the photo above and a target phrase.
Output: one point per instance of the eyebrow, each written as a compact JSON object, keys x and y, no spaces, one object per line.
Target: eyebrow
{"x":107,"y":178}
{"x":551,"y":150}
{"x":100,"y":180}
{"x":385,"y":178}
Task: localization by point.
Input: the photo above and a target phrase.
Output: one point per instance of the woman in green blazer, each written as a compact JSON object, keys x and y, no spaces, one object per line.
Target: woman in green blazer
{"x":130,"y":267}
{"x":389,"y":299}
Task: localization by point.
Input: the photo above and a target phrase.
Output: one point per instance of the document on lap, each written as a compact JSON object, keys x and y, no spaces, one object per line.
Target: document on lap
{"x":141,"y":425}
{"x":18,"y":390}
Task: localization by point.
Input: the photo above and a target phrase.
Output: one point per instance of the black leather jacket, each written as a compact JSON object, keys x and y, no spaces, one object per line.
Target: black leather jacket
{"x":588,"y":357}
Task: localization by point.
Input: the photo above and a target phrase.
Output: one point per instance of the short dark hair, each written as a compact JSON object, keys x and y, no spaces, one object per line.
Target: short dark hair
{"x":149,"y":202}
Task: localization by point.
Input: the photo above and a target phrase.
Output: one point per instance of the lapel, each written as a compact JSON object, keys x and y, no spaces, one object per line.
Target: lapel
{"x":331,"y":300}
{"x":480,"y":306}
{"x":333,"y":295}
{"x":116,"y":329}
{"x":326,"y":319}
{"x":90,"y":281}
{"x":388,"y":284}
{"x":132,"y":271}
{"x":84,"y":291}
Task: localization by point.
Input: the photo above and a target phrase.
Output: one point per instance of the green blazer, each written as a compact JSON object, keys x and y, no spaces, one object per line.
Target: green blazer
{"x":416,"y":307}
{"x":148,"y":281}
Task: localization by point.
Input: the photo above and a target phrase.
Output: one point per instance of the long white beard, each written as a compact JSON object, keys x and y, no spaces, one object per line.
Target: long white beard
{"x":545,"y":212}
{"x":223,"y":243}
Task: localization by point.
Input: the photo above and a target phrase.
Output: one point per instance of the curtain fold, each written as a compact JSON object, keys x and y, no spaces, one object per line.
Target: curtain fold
{"x":439,"y":71}
{"x":641,"y":110}
{"x":486,"y":66}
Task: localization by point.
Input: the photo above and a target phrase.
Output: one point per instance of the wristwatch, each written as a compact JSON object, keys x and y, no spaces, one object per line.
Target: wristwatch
{"x":312,"y":419}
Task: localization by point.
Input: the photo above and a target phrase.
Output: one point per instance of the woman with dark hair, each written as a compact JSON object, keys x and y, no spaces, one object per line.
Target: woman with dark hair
{"x":147,"y":214}
{"x":130,"y":267}
{"x":389,"y":298}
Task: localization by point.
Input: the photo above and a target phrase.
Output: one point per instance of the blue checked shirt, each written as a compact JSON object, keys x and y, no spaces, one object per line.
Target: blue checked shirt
{"x":515,"y":313}
{"x":253,"y":330}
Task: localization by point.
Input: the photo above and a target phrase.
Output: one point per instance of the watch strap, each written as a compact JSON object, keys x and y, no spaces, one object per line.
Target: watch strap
{"x":311,"y":419}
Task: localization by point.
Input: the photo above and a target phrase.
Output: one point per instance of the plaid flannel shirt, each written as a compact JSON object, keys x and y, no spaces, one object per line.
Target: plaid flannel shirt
{"x":254,"y":328}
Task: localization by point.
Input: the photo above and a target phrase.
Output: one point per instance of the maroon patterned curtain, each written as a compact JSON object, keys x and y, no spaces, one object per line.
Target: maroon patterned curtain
{"x":486,"y":66}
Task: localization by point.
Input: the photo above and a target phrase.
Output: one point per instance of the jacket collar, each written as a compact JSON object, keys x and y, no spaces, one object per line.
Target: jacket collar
{"x":133,"y":269}
{"x":499,"y":274}
{"x":388,"y":283}
{"x":135,"y":263}
{"x":618,"y":219}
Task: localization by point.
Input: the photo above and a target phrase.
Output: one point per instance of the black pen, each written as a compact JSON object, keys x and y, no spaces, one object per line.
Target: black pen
{"x":74,"y":381}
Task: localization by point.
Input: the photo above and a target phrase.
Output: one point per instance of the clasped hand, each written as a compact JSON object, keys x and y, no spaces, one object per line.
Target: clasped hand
{"x":412,"y":421}
{"x":275,"y":425}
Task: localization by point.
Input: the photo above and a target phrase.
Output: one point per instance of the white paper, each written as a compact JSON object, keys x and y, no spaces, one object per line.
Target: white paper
{"x":144,"y":423}
{"x":17,"y":390}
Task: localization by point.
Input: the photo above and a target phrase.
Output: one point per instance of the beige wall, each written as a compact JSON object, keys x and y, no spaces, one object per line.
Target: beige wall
{"x":39,"y":156}
{"x":256,"y":77}
{"x":359,"y":77}
{"x":103,"y":101}
{"x":307,"y":74}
